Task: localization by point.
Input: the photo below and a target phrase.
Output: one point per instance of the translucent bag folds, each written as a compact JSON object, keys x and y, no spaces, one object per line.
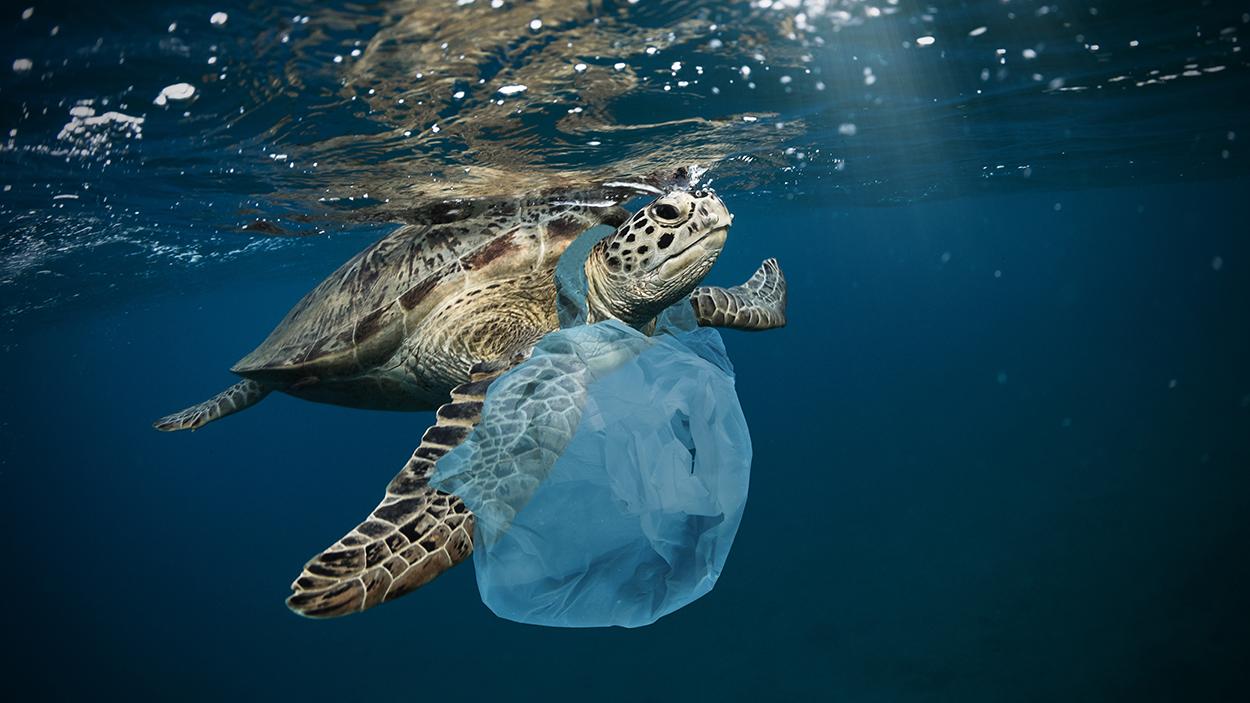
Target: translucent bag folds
{"x":608,"y":475}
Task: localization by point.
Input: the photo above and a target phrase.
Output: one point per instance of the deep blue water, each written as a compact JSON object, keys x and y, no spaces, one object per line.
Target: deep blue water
{"x":1002,"y":449}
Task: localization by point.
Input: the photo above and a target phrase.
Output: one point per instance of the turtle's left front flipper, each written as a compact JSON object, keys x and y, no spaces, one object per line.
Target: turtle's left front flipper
{"x":758,"y":304}
{"x":415,"y":534}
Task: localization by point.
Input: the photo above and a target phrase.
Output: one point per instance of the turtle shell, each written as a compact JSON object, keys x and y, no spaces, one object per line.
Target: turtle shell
{"x":359,"y":315}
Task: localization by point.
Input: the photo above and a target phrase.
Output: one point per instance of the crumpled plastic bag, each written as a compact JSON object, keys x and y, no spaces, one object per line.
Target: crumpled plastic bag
{"x":608,"y":475}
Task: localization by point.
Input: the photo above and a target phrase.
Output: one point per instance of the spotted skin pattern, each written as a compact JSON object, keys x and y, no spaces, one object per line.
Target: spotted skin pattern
{"x":656,"y":258}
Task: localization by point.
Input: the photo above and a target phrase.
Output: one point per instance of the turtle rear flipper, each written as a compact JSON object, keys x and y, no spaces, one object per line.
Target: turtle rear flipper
{"x":241,"y":395}
{"x":758,"y":304}
{"x":415,"y":534}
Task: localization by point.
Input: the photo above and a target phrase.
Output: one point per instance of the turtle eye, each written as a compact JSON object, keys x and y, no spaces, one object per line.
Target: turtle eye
{"x":666,"y":211}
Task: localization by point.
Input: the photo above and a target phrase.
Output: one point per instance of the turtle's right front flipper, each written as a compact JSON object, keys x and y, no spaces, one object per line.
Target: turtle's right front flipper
{"x":241,"y":395}
{"x":415,"y":534}
{"x":758,"y":304}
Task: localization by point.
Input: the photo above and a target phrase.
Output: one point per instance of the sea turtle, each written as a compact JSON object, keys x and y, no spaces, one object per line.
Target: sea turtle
{"x":434,"y":313}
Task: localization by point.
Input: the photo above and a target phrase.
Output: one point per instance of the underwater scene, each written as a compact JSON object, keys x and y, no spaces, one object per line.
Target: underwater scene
{"x":847,"y":350}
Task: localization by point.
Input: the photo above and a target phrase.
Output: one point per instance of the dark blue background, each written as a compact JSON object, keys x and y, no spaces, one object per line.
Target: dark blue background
{"x":966,"y":487}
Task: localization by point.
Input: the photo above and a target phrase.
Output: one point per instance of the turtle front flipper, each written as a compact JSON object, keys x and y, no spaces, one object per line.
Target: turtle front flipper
{"x":241,"y":395}
{"x":758,"y":304}
{"x":415,"y":534}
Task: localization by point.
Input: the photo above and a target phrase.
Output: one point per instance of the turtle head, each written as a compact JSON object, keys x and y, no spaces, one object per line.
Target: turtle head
{"x":657,"y":257}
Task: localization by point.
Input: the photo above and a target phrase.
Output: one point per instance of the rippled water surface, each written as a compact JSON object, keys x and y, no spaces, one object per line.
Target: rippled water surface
{"x":1000,"y":448}
{"x":304,"y":118}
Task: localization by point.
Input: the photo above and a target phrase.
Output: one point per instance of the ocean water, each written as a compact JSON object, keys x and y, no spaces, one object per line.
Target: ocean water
{"x":1002,"y":448}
